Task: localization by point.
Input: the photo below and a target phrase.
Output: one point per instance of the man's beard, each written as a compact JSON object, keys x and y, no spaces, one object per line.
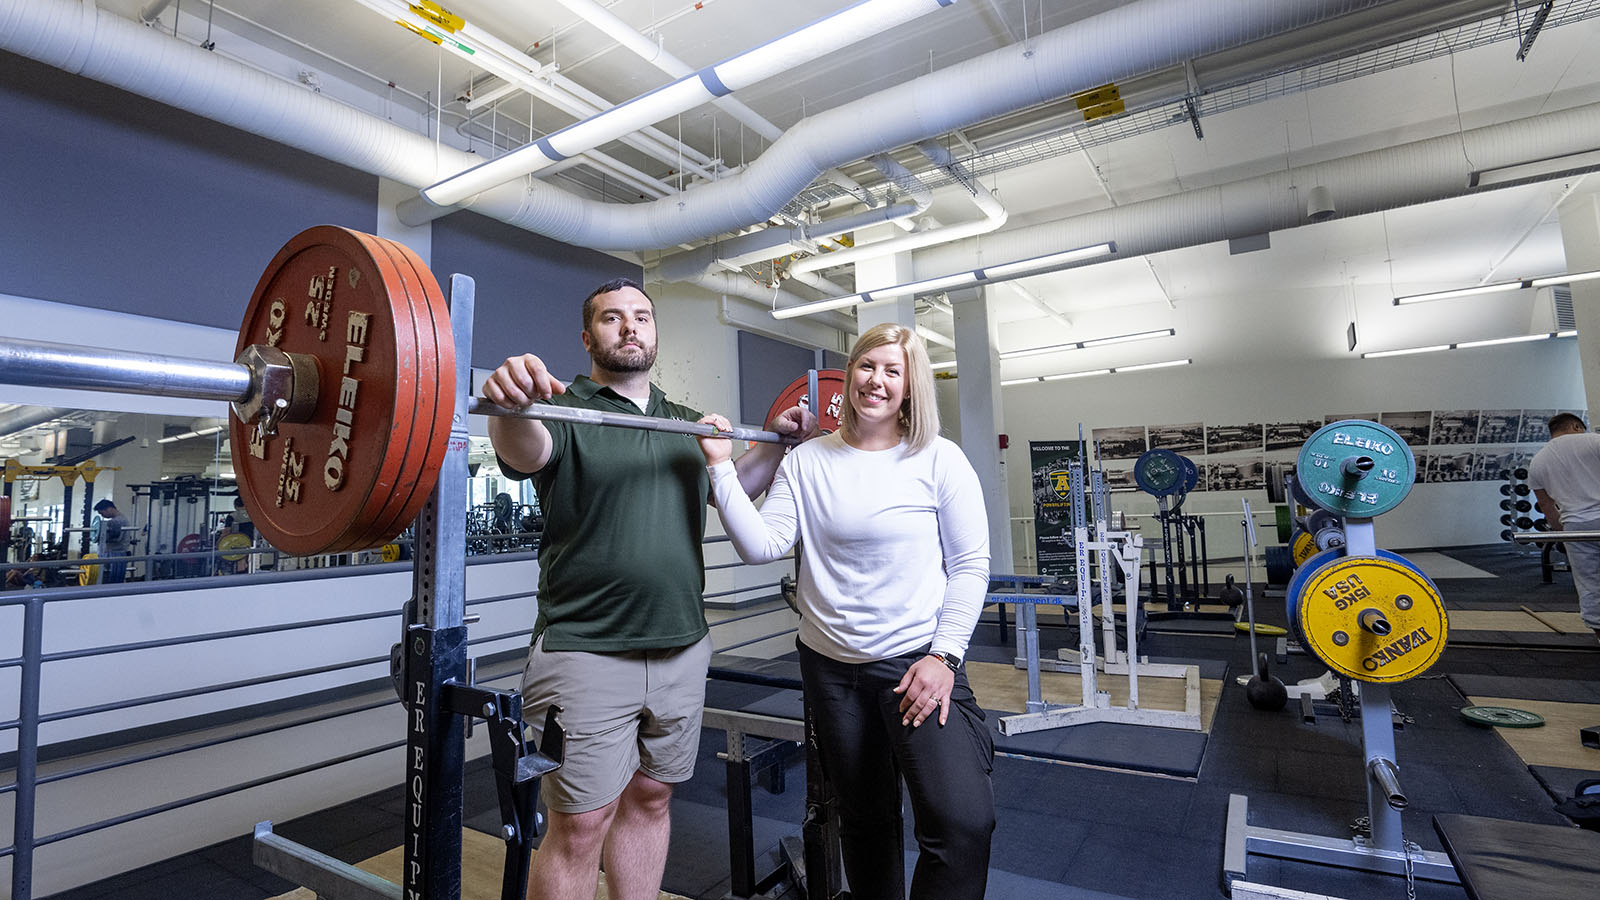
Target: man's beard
{"x":623,"y":358}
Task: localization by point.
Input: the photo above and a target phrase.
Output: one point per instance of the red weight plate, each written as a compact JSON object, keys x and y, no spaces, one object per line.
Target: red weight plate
{"x":413,"y":328}
{"x":435,"y":401}
{"x":830,"y":384}
{"x":318,"y":485}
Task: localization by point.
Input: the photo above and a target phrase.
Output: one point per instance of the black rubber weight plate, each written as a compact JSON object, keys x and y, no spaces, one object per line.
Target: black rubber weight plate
{"x":1501,"y":717}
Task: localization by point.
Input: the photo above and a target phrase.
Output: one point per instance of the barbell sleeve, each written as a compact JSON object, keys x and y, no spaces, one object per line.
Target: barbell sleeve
{"x":545,"y":412}
{"x":69,"y":366}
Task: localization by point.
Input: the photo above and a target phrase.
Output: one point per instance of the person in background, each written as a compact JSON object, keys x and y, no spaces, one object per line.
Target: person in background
{"x":1565,"y":477}
{"x":620,"y":642}
{"x":894,"y":565}
{"x":112,"y":542}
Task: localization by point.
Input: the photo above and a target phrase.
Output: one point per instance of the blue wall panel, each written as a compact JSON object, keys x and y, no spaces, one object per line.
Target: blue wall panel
{"x":112,"y":201}
{"x":530,"y":289}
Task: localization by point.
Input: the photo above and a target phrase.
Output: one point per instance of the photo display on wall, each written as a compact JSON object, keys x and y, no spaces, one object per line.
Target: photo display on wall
{"x":1125,"y":442}
{"x":1190,"y":438}
{"x":1450,"y":445}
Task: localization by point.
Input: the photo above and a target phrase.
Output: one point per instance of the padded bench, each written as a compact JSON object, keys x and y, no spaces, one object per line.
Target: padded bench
{"x":1499,"y":859}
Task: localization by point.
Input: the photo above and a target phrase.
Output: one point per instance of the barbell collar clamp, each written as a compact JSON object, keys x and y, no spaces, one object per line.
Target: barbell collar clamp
{"x":1373,"y":620}
{"x":284,"y":387}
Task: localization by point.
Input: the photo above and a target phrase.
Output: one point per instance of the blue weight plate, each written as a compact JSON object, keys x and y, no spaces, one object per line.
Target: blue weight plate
{"x":1158,"y":472}
{"x":1302,"y":574}
{"x":1191,"y":475}
{"x":1326,"y":468}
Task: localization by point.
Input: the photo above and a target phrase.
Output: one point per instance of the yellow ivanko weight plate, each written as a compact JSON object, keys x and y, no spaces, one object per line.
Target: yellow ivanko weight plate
{"x":1372,"y":618}
{"x":1305,"y":547}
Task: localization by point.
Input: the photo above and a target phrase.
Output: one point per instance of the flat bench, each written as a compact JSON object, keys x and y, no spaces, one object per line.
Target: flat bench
{"x":1499,"y":859}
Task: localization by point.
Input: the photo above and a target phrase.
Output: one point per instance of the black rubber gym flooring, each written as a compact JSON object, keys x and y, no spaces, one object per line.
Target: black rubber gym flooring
{"x":1074,"y":831}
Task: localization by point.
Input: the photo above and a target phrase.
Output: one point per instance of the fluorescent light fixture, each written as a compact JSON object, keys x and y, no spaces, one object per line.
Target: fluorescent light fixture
{"x":989,"y":275}
{"x":1467,"y":345}
{"x":1551,"y":167}
{"x":1564,"y":279}
{"x":1379,"y":354}
{"x":1085,"y":374}
{"x":926,"y":286}
{"x":806,"y":309}
{"x":1544,"y":281}
{"x":1040,"y":263}
{"x":943,"y":366}
{"x":1124,"y":338}
{"x":1157,"y":365}
{"x":1459,"y":292}
{"x":1519,"y":339}
{"x":1040,"y":351}
{"x":1065,"y":375}
{"x":1092,"y":342}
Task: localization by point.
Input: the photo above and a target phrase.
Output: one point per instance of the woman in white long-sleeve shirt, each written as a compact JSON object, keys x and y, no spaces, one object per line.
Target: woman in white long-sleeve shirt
{"x":894,"y":564}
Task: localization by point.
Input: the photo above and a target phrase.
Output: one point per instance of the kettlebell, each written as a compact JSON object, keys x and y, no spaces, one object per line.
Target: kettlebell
{"x":1230,"y":593}
{"x":1264,"y":691}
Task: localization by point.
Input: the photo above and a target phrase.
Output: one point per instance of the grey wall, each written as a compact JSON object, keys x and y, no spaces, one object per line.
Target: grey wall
{"x":530,"y":289}
{"x":116,"y":202}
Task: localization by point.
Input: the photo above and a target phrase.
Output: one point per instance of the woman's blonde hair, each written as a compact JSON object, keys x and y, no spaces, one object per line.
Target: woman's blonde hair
{"x":919,"y":411}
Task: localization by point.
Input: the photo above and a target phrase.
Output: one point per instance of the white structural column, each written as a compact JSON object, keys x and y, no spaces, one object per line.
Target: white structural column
{"x":880,"y":272}
{"x":982,"y":422}
{"x":1580,"y":235}
{"x":419,"y":238}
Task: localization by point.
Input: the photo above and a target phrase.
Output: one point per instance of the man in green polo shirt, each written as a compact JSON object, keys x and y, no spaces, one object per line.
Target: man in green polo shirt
{"x":620,"y":642}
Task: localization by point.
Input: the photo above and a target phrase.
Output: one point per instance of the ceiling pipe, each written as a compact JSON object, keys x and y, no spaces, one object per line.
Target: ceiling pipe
{"x":512,"y":65}
{"x":29,"y":416}
{"x":153,"y":11}
{"x":730,"y":285}
{"x":82,"y":39}
{"x":770,"y":242}
{"x":1418,"y":172}
{"x":994,"y":216}
{"x":1121,"y":42}
{"x":658,"y":56}
{"x":774,"y":242}
{"x":844,"y":28}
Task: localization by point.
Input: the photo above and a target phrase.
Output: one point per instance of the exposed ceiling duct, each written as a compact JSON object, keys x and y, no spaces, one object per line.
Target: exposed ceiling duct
{"x":26,"y":417}
{"x":1122,"y":42}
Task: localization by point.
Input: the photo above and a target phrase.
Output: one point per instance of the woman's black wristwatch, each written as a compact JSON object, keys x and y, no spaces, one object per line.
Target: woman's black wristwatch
{"x":951,"y":661}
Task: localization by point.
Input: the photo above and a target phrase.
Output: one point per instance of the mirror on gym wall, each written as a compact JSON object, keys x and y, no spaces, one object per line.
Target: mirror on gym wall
{"x":175,"y":510}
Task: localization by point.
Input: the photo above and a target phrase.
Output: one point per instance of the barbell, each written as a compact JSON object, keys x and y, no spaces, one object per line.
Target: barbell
{"x":341,"y":391}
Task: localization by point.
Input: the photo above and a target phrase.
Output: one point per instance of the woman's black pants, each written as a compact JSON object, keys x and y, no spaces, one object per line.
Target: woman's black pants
{"x":865,"y":751}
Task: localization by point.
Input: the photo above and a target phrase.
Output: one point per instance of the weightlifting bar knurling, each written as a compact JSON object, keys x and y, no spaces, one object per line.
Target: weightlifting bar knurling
{"x":69,"y":366}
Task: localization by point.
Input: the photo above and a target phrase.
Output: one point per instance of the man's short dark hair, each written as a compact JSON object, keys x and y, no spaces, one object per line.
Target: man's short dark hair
{"x":103,"y":505}
{"x":1565,"y":422}
{"x":615,"y":284}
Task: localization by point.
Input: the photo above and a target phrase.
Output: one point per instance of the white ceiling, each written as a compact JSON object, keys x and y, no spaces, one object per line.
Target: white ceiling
{"x":1496,"y":235}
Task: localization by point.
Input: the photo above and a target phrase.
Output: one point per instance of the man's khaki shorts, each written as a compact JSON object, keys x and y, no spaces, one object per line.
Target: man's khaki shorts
{"x":637,"y":710}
